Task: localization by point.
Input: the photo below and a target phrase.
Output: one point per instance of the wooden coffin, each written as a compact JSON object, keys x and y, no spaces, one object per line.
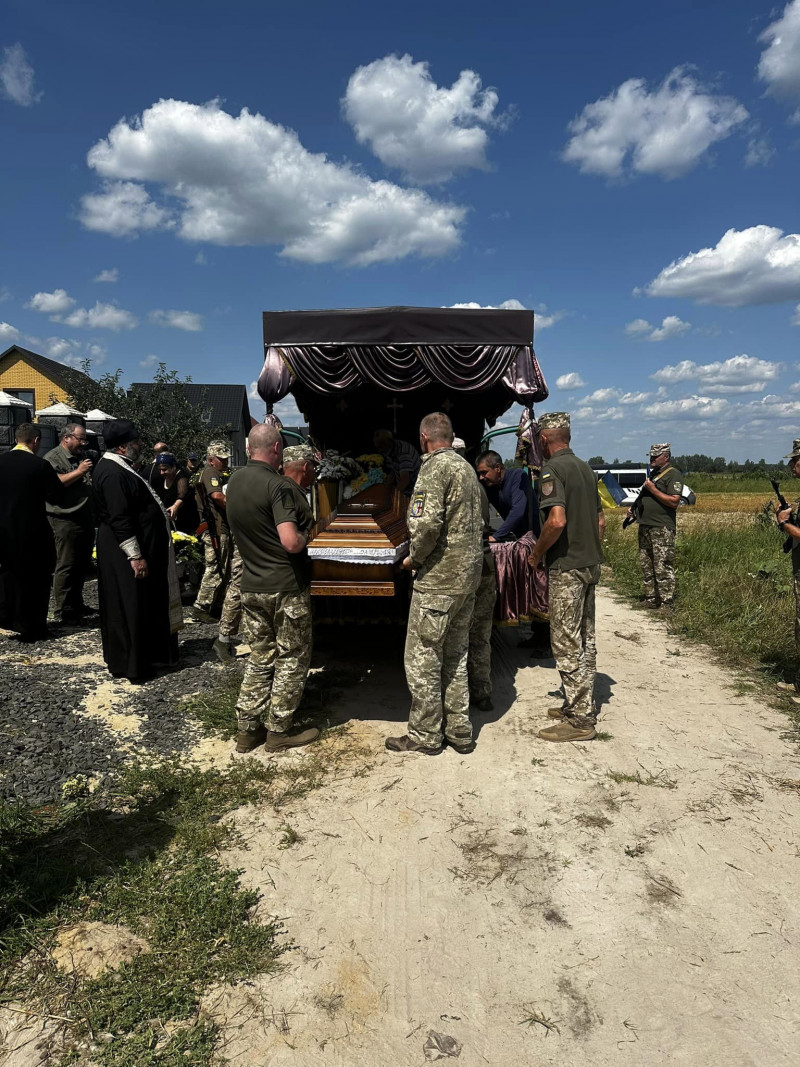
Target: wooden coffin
{"x":356,"y":549}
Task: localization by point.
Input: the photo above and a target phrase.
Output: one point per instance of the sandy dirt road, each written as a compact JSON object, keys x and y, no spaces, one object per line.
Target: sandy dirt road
{"x":521,"y":903}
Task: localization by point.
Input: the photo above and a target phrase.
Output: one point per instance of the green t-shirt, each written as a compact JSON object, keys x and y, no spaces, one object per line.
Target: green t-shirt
{"x":651,"y":511}
{"x":572,"y":484}
{"x":214,"y":481}
{"x":259,"y":500}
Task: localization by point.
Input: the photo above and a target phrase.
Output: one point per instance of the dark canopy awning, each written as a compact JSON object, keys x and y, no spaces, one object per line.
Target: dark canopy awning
{"x":399,"y":326}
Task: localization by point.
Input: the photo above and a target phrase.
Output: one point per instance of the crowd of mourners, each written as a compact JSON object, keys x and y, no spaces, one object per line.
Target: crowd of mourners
{"x":59,"y":511}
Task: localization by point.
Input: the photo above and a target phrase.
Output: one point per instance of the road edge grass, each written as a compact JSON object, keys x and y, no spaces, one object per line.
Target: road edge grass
{"x":145,"y":852}
{"x":734,"y":597}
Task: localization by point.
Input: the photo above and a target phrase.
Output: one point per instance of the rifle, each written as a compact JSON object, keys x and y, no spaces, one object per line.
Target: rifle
{"x":632,"y":517}
{"x":787,"y":544}
{"x":210,"y":519}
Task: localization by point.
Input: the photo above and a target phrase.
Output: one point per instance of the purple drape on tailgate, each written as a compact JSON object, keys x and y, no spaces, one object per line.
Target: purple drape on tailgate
{"x":521,"y":591}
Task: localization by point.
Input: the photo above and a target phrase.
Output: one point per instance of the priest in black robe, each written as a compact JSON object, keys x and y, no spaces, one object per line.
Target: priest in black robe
{"x":27,"y":548}
{"x":140,"y":608}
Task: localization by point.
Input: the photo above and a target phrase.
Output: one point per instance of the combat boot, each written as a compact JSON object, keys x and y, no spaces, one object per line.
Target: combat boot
{"x":276,"y":742}
{"x":555,"y":713}
{"x":405,"y":744}
{"x":223,"y":650}
{"x":567,"y":731}
{"x":482,"y":703}
{"x":462,"y":747}
{"x":247,"y":740}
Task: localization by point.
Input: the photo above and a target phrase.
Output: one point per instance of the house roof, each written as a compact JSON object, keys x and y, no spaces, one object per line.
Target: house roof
{"x":228,"y":403}
{"x":59,"y":373}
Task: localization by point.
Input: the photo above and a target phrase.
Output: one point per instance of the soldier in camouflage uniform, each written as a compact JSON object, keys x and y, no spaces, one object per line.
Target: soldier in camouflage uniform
{"x":571,"y":543}
{"x":271,"y":527}
{"x":789,"y":523}
{"x":656,"y":513}
{"x":211,"y":483}
{"x":446,"y":553}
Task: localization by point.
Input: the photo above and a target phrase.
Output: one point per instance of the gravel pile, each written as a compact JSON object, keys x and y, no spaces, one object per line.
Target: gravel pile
{"x":46,"y":740}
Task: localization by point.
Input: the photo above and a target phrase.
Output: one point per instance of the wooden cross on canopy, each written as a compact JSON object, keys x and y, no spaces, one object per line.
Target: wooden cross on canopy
{"x":394,"y":407}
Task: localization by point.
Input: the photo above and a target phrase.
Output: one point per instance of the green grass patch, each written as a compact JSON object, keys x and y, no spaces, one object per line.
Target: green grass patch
{"x":740,"y":483}
{"x":734,"y":590}
{"x":143,"y":853}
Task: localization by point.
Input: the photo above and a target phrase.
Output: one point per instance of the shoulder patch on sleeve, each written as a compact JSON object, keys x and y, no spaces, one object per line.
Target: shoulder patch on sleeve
{"x":215,"y":481}
{"x":417,"y":504}
{"x":548,"y":488}
{"x":677,"y":486}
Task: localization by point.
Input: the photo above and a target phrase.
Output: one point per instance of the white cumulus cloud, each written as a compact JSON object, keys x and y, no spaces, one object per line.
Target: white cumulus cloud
{"x":779,"y":66}
{"x":101,"y":317}
{"x":541,"y":319}
{"x":122,"y":209}
{"x":73,"y":353}
{"x":149,"y":361}
{"x":739,"y":374}
{"x":55,"y":303}
{"x":758,"y":265}
{"x":670,"y":327}
{"x":796,"y":316}
{"x":689,"y":407}
{"x":8,"y":334}
{"x":413,"y":125}
{"x":666,"y":131}
{"x":179,"y":320}
{"x":111,"y":275}
{"x":243,"y":180}
{"x":570,"y":382}
{"x":17,"y":77}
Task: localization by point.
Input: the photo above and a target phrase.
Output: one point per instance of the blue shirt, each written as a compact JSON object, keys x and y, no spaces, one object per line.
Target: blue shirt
{"x":510,"y":498}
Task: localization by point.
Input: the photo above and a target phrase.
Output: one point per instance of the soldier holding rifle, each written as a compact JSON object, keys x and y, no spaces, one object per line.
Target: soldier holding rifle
{"x":655,"y":511}
{"x":789,"y":523}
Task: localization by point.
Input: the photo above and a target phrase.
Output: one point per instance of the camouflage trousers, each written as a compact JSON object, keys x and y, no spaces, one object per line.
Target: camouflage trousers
{"x":657,"y":560}
{"x":572,"y":605}
{"x":230,"y":620}
{"x":479,"y":661}
{"x":797,"y":628}
{"x":437,"y":644}
{"x":213,"y":586}
{"x":279,"y":628}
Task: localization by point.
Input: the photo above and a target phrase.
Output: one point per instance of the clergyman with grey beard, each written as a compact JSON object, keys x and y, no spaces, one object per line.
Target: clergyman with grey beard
{"x":140,"y":612}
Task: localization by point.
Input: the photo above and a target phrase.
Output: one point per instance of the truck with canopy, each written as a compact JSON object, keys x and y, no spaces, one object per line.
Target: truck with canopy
{"x":353,"y":372}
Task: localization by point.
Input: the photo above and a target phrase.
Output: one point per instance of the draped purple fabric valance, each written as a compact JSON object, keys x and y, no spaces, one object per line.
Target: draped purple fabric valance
{"x":402,"y":369}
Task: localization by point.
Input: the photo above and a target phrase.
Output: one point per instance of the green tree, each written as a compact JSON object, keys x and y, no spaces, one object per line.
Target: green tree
{"x":162,"y":413}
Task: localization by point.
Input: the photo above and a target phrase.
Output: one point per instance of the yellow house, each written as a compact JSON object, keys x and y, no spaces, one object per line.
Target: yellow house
{"x":35,"y":379}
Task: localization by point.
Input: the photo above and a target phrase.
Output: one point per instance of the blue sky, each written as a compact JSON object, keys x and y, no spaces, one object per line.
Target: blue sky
{"x":628,"y":171}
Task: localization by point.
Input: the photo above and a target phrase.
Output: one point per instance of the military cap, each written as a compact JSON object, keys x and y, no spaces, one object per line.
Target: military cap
{"x":298,"y":453}
{"x":459,"y":444}
{"x":219,"y":450}
{"x":554,"y":420}
{"x":660,"y":450}
{"x":795,"y":453}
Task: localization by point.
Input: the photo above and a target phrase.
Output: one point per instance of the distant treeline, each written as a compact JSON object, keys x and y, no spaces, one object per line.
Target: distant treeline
{"x":701,"y":464}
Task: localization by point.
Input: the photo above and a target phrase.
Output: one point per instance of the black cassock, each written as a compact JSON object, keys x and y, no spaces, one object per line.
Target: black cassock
{"x":27,"y":549}
{"x":134,"y":612}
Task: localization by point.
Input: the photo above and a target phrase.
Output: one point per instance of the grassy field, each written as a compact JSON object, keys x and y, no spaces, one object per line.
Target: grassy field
{"x":735,"y":590}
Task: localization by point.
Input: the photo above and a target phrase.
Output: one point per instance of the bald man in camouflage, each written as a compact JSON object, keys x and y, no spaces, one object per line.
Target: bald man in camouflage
{"x":446,"y":555}
{"x":656,"y":513}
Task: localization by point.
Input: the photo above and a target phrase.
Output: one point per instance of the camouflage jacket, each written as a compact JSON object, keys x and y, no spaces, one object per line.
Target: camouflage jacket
{"x":446,"y":525}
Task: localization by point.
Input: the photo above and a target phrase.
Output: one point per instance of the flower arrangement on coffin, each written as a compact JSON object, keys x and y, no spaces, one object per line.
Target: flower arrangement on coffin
{"x":372,"y":473}
{"x":336,"y":467}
